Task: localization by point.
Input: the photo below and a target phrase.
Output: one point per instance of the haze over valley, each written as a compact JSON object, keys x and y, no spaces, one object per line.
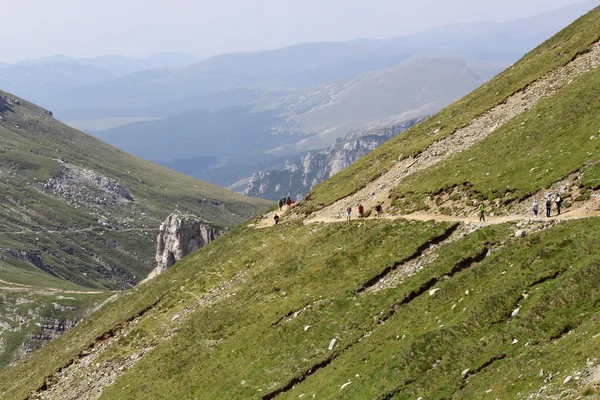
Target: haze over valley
{"x":283,"y":200}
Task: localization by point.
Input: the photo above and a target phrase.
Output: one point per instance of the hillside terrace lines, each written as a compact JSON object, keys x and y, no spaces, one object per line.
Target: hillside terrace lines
{"x":466,"y":137}
{"x":417,"y":254}
{"x":459,"y":267}
{"x":86,"y":375}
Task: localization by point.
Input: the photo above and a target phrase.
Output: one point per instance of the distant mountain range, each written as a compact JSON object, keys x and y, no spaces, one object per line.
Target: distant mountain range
{"x":75,"y":88}
{"x":304,"y":120}
{"x":226,"y":117}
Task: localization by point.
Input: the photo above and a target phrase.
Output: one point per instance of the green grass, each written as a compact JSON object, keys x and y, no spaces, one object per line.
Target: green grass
{"x":31,"y":142}
{"x":554,"y":53}
{"x":326,"y":264}
{"x":529,"y":153}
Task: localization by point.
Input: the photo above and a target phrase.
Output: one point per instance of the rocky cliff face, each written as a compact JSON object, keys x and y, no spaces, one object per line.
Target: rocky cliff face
{"x":29,"y":318}
{"x":180,"y":235}
{"x":302,"y":173}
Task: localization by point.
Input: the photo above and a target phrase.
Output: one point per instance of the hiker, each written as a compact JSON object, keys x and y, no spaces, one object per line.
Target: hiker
{"x":361,"y":211}
{"x":289,"y":201}
{"x":482,"y":212}
{"x":281,"y":203}
{"x":536,"y":208}
{"x":379,"y":210}
{"x":548,"y":206}
{"x":349,"y":213}
{"x":276,"y":219}
{"x":558,"y":202}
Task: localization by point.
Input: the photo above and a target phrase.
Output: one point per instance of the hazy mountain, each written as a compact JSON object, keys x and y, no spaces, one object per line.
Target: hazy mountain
{"x":292,"y":124}
{"x":56,"y":59}
{"x":417,"y":87}
{"x":513,"y":37}
{"x":426,"y":302}
{"x":210,"y":102}
{"x":122,"y":65}
{"x":57,"y":75}
{"x":167,"y":78}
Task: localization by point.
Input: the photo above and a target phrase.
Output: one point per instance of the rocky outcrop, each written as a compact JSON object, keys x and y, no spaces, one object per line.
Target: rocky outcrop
{"x":80,"y":185}
{"x":180,"y":235}
{"x":301,"y":174}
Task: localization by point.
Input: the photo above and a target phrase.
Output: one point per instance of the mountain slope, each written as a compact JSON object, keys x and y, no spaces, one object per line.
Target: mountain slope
{"x":433,"y":305}
{"x":302,"y":121}
{"x":299,"y":174}
{"x":80,"y":216}
{"x":55,"y":178}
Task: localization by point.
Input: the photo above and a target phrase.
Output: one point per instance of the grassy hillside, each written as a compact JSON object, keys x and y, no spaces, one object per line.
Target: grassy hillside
{"x":378,"y":308}
{"x":55,"y":179}
{"x":556,"y":52}
{"x":80,"y":215}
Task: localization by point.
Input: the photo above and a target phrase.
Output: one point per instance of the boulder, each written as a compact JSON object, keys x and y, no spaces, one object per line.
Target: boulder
{"x":520,"y":234}
{"x":180,"y":235}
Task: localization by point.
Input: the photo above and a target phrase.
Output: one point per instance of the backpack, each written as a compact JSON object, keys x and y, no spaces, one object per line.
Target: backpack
{"x":548,"y":203}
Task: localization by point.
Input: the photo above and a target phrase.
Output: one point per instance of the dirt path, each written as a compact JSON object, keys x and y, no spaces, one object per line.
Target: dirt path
{"x":466,"y":137}
{"x":583,"y":212}
{"x":568,"y":215}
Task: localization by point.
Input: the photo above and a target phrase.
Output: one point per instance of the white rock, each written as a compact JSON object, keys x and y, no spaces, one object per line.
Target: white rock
{"x":567,"y":379}
{"x":180,"y":235}
{"x":345,"y":385}
{"x":541,"y":373}
{"x":433,"y":291}
{"x":515,"y":312}
{"x":332,"y":344}
{"x":307,"y":327}
{"x":515,"y":341}
{"x":520,"y":234}
{"x":465,"y":372}
{"x":467,"y":292}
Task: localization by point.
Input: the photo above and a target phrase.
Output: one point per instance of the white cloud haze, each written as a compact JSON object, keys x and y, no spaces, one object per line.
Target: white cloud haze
{"x":86,"y":28}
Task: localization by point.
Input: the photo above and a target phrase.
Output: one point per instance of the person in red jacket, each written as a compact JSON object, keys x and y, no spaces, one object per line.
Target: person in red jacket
{"x":361,"y":211}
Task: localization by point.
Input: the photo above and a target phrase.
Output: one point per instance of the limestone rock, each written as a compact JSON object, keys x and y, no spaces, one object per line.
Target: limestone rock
{"x":301,"y":173}
{"x":520,"y":234}
{"x":180,"y":235}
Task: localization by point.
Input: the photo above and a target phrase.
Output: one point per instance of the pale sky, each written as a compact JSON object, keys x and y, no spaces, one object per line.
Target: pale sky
{"x":87,"y":28}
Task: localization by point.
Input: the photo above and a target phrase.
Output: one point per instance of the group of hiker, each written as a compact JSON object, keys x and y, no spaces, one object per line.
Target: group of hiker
{"x":285,"y":201}
{"x":549,"y":201}
{"x":378,"y":208}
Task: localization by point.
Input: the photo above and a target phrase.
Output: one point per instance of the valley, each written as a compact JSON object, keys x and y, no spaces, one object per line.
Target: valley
{"x":425,"y":302}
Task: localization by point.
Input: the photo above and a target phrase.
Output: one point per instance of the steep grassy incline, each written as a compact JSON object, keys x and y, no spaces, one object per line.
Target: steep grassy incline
{"x":382,"y":308}
{"x":57,"y":183}
{"x":79,"y":215}
{"x":556,"y":52}
{"x":255,"y":315}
